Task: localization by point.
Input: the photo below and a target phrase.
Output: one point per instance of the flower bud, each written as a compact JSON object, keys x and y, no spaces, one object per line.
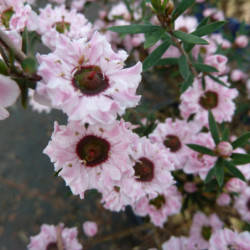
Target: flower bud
{"x":241,"y":41}
{"x":224,"y":149}
{"x":90,"y":228}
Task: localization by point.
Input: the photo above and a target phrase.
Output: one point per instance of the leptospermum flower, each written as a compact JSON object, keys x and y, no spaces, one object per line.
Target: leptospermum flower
{"x":151,"y":167}
{"x":9,"y":91}
{"x":159,"y":208}
{"x":172,"y":136}
{"x":59,"y":20}
{"x":215,"y":97}
{"x":51,"y":235}
{"x":35,"y":105}
{"x":198,"y":163}
{"x":201,"y":230}
{"x":176,"y":243}
{"x":87,"y":80}
{"x":242,"y":204}
{"x":16,"y":15}
{"x":91,"y":156}
{"x":228,"y":239}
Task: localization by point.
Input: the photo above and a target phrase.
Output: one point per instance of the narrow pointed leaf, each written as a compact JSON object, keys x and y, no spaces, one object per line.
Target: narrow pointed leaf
{"x":213,"y":128}
{"x":25,"y":41}
{"x":153,"y":38}
{"x":209,"y":28}
{"x":203,"y":22}
{"x":210,"y":175}
{"x":241,"y":140}
{"x":183,"y":66}
{"x":216,"y":79}
{"x":180,"y":8}
{"x":201,"y":149}
{"x":135,"y":28}
{"x":128,"y":7}
{"x":219,"y":171}
{"x":168,"y":61}
{"x":156,"y":55}
{"x":189,"y":38}
{"x":225,"y":135}
{"x":204,"y":67}
{"x":234,"y":170}
{"x":240,"y":159}
{"x":187,"y":83}
{"x":3,"y":68}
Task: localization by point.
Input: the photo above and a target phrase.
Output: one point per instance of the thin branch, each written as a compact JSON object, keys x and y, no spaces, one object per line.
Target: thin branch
{"x":5,"y":40}
{"x":59,"y":237}
{"x":117,"y":235}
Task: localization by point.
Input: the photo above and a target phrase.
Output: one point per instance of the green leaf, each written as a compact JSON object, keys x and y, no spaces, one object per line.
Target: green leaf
{"x":57,"y":172}
{"x":189,"y":38}
{"x":240,"y":159}
{"x":218,"y":80}
{"x":241,"y":140}
{"x":3,"y":68}
{"x":25,"y":41}
{"x":209,"y":176}
{"x":213,"y":127}
{"x":128,"y":7}
{"x":201,"y":149}
{"x":209,"y":28}
{"x":168,"y":61}
{"x":135,"y":28}
{"x":219,"y":171}
{"x":183,"y":67}
{"x":203,"y":22}
{"x":204,"y":67}
{"x":24,"y":90}
{"x":156,"y":55}
{"x":29,"y":65}
{"x":180,"y":8}
{"x":187,"y":83}
{"x":225,"y":135}
{"x":234,"y":171}
{"x":153,"y":38}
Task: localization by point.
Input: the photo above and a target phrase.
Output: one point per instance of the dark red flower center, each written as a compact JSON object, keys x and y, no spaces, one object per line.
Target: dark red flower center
{"x":206,"y":232}
{"x":144,"y":170}
{"x":248,"y":204}
{"x":93,"y":150}
{"x":172,"y":142}
{"x":52,"y":246}
{"x":209,"y":100}
{"x":6,"y":16}
{"x":90,"y":80}
{"x":158,"y":202}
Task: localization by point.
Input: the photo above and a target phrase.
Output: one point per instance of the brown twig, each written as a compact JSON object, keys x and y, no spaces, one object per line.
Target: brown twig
{"x":59,"y":237}
{"x":117,"y":235}
{"x":5,"y":40}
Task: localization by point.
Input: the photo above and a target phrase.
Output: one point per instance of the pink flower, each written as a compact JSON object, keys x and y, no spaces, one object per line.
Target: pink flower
{"x":214,"y":13}
{"x":242,"y":204}
{"x":201,"y":230}
{"x":238,"y":75}
{"x":37,"y":106}
{"x":90,"y":228}
{"x":57,"y":21}
{"x":228,"y":239}
{"x":217,"y":61}
{"x":175,"y":243}
{"x":215,"y":97}
{"x":220,"y":40}
{"x":91,"y":156}
{"x":49,"y":235}
{"x":159,"y":208}
{"x":224,"y":149}
{"x":223,"y":199}
{"x":172,"y":136}
{"x":9,"y":91}
{"x":187,"y":24}
{"x":198,"y":163}
{"x":17,"y":15}
{"x":151,"y":174}
{"x":87,"y":80}
{"x":241,"y":41}
{"x":223,"y":239}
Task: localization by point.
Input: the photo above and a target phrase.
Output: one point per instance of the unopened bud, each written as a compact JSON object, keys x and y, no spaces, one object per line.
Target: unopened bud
{"x":224,"y":149}
{"x":169,"y":8}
